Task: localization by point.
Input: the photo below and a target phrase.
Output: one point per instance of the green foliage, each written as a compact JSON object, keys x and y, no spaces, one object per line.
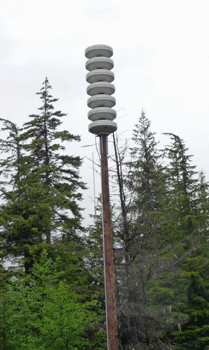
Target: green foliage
{"x":183,"y":180}
{"x":40,"y":184}
{"x":194,"y":333}
{"x":4,"y":299}
{"x":57,"y":171}
{"x":160,"y":242}
{"x":139,"y":230}
{"x":45,"y":312}
{"x":145,"y":176}
{"x":164,"y":242}
{"x":24,"y":211}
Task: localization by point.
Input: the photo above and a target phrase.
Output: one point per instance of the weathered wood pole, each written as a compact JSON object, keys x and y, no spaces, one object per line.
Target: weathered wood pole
{"x":101,"y":101}
{"x":111,"y":312}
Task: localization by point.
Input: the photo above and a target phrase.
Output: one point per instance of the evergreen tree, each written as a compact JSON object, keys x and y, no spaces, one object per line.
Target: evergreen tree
{"x":160,"y":238}
{"x":40,"y":184}
{"x":169,"y":214}
{"x":202,"y":203}
{"x":58,"y":172}
{"x":24,"y":210}
{"x":143,"y":207}
{"x":184,"y":247}
{"x":183,"y":186}
{"x":145,"y":170}
{"x":194,"y":334}
{"x":146,"y":183}
{"x":4,"y":275}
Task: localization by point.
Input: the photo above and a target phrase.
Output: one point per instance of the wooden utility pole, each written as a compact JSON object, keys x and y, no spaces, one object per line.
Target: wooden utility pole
{"x":111,"y":312}
{"x":101,"y":101}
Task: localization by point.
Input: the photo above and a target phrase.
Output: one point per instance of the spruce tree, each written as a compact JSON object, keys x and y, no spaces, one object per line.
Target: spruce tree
{"x":24,"y":212}
{"x":40,"y":183}
{"x":194,"y":334}
{"x":145,"y":170}
{"x":145,"y":187}
{"x":168,"y":211}
{"x":58,"y":172}
{"x":182,"y":185}
{"x":185,"y":246}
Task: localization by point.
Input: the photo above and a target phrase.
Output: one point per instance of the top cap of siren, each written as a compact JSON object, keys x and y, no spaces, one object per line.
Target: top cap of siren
{"x":98,"y":50}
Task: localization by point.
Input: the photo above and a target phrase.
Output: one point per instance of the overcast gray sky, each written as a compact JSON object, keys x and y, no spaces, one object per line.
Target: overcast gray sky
{"x":161,"y":57}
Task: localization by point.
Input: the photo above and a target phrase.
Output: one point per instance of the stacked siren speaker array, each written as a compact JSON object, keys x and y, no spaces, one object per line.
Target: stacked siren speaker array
{"x":100,"y":89}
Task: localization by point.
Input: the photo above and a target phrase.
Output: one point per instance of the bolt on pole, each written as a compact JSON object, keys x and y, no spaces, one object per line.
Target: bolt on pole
{"x":102,"y":115}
